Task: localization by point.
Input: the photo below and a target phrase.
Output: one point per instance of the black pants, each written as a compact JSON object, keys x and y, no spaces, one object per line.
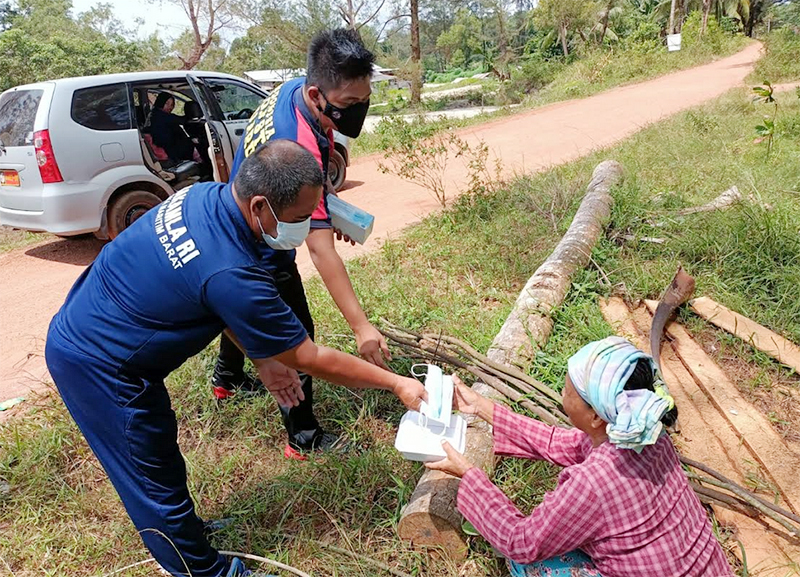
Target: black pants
{"x":300,"y":422}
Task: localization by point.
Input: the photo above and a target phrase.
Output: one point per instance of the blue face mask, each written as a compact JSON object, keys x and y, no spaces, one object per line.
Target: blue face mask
{"x":290,"y":234}
{"x":439,"y":387}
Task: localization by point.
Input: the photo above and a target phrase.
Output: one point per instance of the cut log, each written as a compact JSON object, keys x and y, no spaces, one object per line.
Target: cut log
{"x":707,"y":436}
{"x":760,"y":337}
{"x":753,"y":428}
{"x":723,"y":201}
{"x":431,"y":518}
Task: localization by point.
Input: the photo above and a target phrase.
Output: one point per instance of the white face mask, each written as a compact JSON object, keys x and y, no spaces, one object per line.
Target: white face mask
{"x":439,"y":387}
{"x":290,"y":234}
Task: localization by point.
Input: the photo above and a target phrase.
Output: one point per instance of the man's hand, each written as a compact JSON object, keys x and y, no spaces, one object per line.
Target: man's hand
{"x":372,"y":346}
{"x":342,"y":236}
{"x":283,"y":382}
{"x":454,"y":464}
{"x":410,"y":392}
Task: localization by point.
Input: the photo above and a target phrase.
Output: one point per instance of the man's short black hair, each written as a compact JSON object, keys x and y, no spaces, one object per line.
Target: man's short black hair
{"x":336,"y":56}
{"x":278,"y":170}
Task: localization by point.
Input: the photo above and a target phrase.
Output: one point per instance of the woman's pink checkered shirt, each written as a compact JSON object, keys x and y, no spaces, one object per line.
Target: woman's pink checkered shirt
{"x":633,"y":514}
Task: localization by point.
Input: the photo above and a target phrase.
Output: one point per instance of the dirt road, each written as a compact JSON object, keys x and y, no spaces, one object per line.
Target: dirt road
{"x":36,"y":280}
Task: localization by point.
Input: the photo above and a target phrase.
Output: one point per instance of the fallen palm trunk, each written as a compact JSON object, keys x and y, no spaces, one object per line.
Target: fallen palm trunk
{"x":530,"y":321}
{"x":431,"y":517}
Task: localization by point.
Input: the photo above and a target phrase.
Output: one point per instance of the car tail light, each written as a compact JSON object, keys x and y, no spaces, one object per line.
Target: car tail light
{"x":48,"y":167}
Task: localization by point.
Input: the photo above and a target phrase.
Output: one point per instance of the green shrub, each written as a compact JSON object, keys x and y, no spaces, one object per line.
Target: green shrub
{"x":711,"y":42}
{"x":644,"y":39}
{"x":534,"y":74}
{"x":781,"y":59}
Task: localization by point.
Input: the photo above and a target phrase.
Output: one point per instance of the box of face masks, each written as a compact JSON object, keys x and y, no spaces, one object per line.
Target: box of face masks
{"x":351,"y":220}
{"x":420,"y":434}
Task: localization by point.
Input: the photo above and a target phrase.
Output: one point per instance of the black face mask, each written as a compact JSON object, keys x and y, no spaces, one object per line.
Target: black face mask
{"x":348,"y":121}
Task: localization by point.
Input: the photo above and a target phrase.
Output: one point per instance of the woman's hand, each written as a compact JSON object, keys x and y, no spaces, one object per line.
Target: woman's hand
{"x":454,"y":464}
{"x":465,"y":399}
{"x":471,"y":403}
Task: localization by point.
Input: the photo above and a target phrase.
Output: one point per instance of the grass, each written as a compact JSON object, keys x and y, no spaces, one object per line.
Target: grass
{"x":781,"y":61}
{"x":11,"y":238}
{"x":450,"y":85}
{"x":459,"y":272}
{"x":599,"y":71}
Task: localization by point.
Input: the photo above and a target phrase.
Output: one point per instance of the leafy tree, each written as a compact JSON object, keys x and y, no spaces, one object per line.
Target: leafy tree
{"x":44,"y":42}
{"x":463,"y":38}
{"x":7,"y":15}
{"x":207,"y":18}
{"x":564,"y":17}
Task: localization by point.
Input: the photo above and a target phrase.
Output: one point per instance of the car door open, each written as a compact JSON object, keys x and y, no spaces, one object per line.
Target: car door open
{"x":220,"y":149}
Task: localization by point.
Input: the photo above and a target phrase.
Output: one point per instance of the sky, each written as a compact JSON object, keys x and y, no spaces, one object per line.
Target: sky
{"x":166,"y":18}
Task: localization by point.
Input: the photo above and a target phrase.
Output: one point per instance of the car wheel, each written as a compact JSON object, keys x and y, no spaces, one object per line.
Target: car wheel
{"x":124,"y":210}
{"x":337,"y":169}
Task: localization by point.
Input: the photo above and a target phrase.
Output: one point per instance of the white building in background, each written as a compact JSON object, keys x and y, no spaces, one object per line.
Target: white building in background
{"x":269,"y":79}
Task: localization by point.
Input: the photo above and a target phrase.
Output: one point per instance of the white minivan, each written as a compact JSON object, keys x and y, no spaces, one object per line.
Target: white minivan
{"x":76,"y":155}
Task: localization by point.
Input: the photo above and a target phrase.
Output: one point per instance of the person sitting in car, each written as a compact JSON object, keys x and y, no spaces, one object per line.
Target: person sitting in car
{"x":167,"y":132}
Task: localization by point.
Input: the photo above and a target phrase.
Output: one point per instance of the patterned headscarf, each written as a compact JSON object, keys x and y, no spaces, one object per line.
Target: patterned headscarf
{"x":599,"y":372}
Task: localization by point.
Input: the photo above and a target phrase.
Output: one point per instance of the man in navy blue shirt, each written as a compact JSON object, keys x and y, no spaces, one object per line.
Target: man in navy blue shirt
{"x":159,"y":294}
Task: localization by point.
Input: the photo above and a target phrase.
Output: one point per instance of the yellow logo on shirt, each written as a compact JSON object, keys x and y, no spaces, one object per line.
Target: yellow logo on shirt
{"x":262,"y":124}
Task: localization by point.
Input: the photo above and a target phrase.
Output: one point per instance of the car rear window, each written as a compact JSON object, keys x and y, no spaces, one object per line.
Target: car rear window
{"x":17,"y":115}
{"x":102,"y":107}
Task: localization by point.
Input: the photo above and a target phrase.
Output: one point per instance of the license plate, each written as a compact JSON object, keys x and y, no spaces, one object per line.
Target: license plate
{"x":9,"y":178}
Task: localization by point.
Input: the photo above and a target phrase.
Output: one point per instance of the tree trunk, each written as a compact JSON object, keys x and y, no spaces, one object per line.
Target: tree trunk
{"x":751,"y":19}
{"x":416,"y":55}
{"x":672,"y":17}
{"x":606,"y":16}
{"x":431,"y":517}
{"x":562,"y":32}
{"x":706,"y":12}
{"x":505,"y":57}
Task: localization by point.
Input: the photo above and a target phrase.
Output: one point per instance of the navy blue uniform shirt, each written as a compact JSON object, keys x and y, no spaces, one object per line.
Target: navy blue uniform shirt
{"x":171,"y":282}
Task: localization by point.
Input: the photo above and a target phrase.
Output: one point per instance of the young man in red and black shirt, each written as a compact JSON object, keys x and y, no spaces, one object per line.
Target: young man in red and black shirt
{"x":333,"y":96}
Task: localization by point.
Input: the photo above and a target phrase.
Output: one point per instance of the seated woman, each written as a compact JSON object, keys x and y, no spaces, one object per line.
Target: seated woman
{"x":622,"y":507}
{"x":167,"y":131}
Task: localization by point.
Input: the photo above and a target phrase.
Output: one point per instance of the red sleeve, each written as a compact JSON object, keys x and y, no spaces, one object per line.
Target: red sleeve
{"x":320,"y":218}
{"x":518,"y":436}
{"x":567,"y":519}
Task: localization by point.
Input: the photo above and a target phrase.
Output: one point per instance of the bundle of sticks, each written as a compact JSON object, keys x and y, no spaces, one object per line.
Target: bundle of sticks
{"x":543,"y":402}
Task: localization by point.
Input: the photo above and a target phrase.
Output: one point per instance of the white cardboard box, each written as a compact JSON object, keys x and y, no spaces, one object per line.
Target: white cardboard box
{"x":351,"y":220}
{"x":418,"y":440}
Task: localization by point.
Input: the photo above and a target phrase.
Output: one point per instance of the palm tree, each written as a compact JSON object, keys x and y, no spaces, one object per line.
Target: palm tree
{"x":739,"y":9}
